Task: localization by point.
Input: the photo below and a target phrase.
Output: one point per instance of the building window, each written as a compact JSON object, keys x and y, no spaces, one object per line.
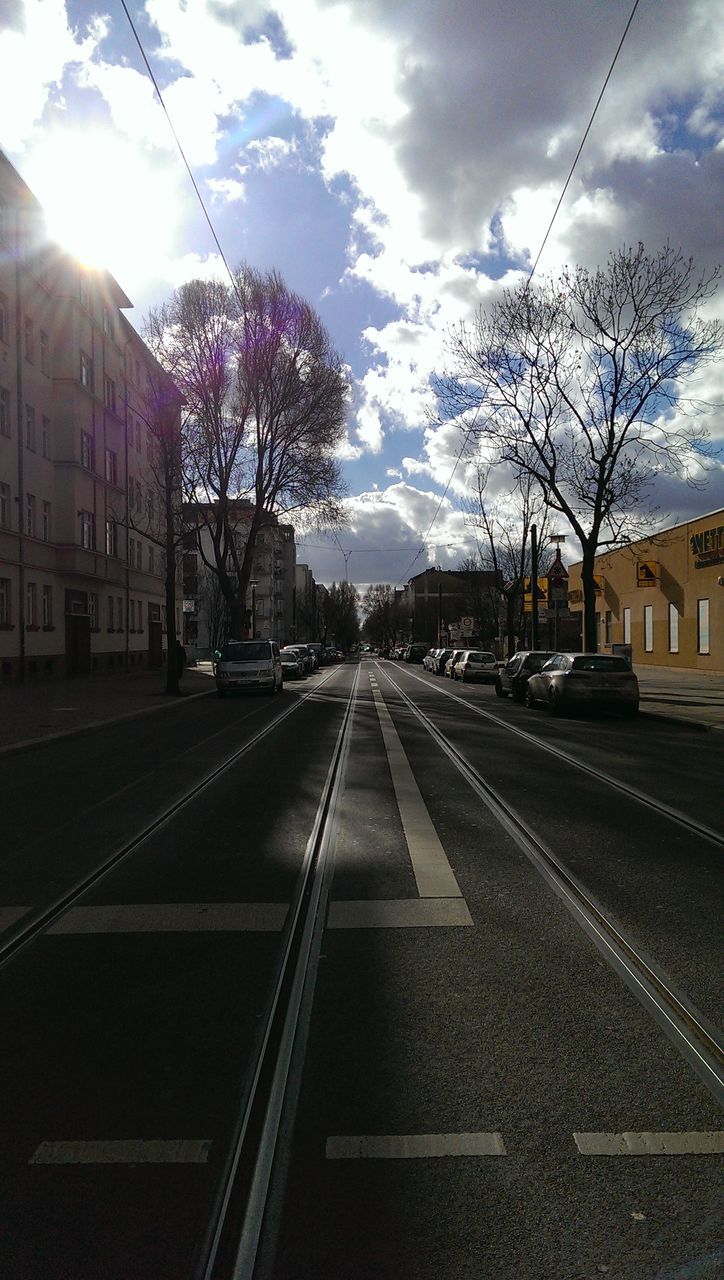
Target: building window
{"x":5,"y":603}
{"x":87,"y":451}
{"x":29,"y":340}
{"x":87,"y":530}
{"x":30,"y":514}
{"x":131,"y":615}
{"x":86,"y":371}
{"x":31,"y":605}
{"x":4,"y":412}
{"x":4,"y":506}
{"x":627,"y":626}
{"x":45,"y":437}
{"x":111,"y":620}
{"x":47,"y":606}
{"x":150,"y":559}
{"x":46,"y":522}
{"x":673,"y":629}
{"x":139,"y":612}
{"x":111,"y":538}
{"x":107,"y":323}
{"x":109,"y":393}
{"x":44,"y":352}
{"x":702,"y":626}
{"x":111,"y":466}
{"x":608,"y":623}
{"x":3,"y":318}
{"x":30,"y":427}
{"x":648,"y":628}
{"x":93,"y":610}
{"x":119,"y":612}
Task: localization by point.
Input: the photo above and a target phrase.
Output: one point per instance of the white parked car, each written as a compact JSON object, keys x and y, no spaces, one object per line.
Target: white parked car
{"x":475,"y":665}
{"x":248,"y":664}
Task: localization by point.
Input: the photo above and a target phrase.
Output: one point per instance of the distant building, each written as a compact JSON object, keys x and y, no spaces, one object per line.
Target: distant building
{"x":663,"y":597}
{"x":449,"y":605}
{"x":81,"y":585}
{"x":306,"y":605}
{"x":270,"y":595}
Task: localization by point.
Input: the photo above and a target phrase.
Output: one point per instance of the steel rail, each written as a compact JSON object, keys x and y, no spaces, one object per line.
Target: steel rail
{"x":232,"y":1246}
{"x":682,"y":1022}
{"x":659,"y":806}
{"x":30,"y":927}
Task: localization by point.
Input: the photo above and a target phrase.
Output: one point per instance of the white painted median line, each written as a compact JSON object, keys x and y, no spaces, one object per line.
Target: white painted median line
{"x":124,"y":1151}
{"x":433,"y":872}
{"x":399,"y":913}
{"x":8,"y":916}
{"x":414,"y":1146}
{"x":650,"y":1144}
{"x":174,"y":917}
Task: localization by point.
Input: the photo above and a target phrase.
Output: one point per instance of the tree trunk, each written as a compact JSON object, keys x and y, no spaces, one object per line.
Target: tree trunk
{"x":590,"y":628}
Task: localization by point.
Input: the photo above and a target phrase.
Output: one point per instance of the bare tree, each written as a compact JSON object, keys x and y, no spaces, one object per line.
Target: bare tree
{"x":384,"y":615}
{"x":340,"y":613}
{"x":503,"y":529}
{"x":213,"y":606}
{"x":266,"y":403}
{"x":576,"y":380}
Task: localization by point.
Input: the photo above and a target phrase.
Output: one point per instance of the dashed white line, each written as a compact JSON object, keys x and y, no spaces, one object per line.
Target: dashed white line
{"x":124,"y":1151}
{"x":414,"y":1146}
{"x":706,"y":1142}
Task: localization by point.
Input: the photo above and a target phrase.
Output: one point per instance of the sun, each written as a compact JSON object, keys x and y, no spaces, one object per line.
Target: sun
{"x":106,"y":202}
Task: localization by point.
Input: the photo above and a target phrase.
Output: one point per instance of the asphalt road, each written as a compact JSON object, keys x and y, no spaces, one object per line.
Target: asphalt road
{"x":455,"y":994}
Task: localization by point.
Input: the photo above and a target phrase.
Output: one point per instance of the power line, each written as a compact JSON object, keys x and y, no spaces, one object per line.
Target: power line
{"x":532,"y":271}
{"x":204,"y":210}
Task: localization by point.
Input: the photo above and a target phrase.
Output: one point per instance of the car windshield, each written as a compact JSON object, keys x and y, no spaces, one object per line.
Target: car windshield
{"x":290,"y":655}
{"x":245,"y":651}
{"x":600,"y":662}
{"x":535,"y":661}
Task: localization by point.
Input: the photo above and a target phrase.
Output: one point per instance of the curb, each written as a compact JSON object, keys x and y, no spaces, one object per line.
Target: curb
{"x":28,"y":743}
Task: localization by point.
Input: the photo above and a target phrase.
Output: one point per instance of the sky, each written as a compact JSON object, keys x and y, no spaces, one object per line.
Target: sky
{"x":398,"y":161}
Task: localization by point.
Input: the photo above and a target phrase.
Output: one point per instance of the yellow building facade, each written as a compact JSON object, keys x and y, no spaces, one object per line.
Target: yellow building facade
{"x":663,"y":596}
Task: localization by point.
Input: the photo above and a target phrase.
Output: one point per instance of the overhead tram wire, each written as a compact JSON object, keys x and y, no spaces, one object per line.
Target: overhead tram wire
{"x":532,"y":270}
{"x":199,"y":197}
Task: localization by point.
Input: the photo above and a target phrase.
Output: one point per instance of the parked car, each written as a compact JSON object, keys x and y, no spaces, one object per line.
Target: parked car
{"x":430,"y":659}
{"x":415,"y":652}
{"x":292,"y":664}
{"x":306,"y":657}
{"x":584,"y":680}
{"x":475,"y":665}
{"x":248,"y":664}
{"x":456,"y":653}
{"x":441,"y":661}
{"x":513,"y":676}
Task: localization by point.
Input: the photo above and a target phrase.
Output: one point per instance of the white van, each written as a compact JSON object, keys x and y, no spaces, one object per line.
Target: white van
{"x":248,"y":664}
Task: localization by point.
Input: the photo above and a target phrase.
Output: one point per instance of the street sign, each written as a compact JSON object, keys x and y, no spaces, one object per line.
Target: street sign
{"x":466,"y":625}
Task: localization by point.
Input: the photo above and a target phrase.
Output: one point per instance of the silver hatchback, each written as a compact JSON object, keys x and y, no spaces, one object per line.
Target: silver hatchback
{"x":581,"y":680}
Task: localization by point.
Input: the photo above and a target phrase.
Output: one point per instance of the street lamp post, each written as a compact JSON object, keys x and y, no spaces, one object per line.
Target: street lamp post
{"x":252,"y":584}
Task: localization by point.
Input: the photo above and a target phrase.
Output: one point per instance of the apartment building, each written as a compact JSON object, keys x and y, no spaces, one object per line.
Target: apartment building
{"x":81,"y":583}
{"x":270,"y":594}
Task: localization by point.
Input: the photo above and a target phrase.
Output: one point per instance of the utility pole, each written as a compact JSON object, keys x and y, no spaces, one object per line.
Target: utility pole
{"x":533,"y":586}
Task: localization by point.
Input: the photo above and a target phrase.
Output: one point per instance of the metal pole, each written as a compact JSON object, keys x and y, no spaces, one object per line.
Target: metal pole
{"x":439,"y":615}
{"x":534,"y":586}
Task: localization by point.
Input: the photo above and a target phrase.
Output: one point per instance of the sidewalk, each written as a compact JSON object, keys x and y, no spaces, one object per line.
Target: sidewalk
{"x":688,"y":696}
{"x":55,"y":708}
{"x":35,"y":712}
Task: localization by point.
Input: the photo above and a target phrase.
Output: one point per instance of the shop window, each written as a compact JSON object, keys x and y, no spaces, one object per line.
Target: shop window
{"x":673,"y":629}
{"x":627,"y":626}
{"x":702,"y":626}
{"x":648,"y":628}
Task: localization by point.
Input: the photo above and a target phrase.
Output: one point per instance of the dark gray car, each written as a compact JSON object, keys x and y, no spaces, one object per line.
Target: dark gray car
{"x":512,"y":679}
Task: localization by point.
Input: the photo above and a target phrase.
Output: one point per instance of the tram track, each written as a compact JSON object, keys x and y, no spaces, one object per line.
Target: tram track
{"x":600,"y":775}
{"x":685,"y":1025}
{"x":30,"y":926}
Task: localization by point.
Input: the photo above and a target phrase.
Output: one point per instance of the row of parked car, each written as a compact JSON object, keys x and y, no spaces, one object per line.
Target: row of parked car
{"x":261,"y":664}
{"x":541,"y":678}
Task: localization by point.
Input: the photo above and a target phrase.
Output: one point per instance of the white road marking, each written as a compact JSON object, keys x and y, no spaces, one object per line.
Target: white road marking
{"x":174,"y":917}
{"x":402,"y":913}
{"x":414,"y":1146}
{"x":650,"y":1144}
{"x":8,"y":915}
{"x":124,"y":1151}
{"x":433,"y":872}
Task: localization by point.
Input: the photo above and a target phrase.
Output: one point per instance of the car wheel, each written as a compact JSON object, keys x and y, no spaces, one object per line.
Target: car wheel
{"x":517,"y":693}
{"x":500,"y":691}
